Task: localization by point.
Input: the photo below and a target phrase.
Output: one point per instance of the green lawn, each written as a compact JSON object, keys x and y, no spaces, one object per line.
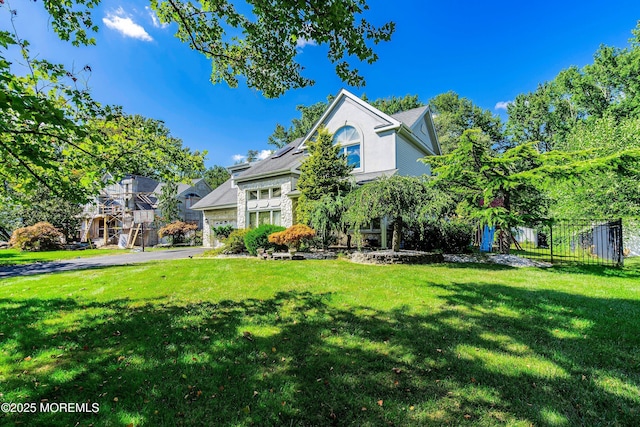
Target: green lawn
{"x":240,"y":342}
{"x":15,"y":256}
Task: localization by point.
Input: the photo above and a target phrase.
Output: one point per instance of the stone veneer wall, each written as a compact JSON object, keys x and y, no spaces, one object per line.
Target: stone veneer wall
{"x":285,"y":204}
{"x":211,"y":218}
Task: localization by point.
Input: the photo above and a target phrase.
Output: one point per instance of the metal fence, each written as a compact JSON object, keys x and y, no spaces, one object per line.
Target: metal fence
{"x":590,"y":242}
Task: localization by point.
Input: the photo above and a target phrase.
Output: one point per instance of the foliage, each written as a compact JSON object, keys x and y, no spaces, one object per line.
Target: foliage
{"x":265,"y":42}
{"x":54,"y":135}
{"x":216,"y":176}
{"x":323,"y":172}
{"x":293,"y":236}
{"x":234,"y":244}
{"x":454,"y":114}
{"x":327,"y":217}
{"x":43,"y":206}
{"x":38,"y":237}
{"x":395,"y":104}
{"x":259,"y":238}
{"x":406,"y":200}
{"x":222,"y":231}
{"x":508,"y":188}
{"x":177,"y":231}
{"x":10,"y":217}
{"x":447,"y":235}
{"x":168,"y":202}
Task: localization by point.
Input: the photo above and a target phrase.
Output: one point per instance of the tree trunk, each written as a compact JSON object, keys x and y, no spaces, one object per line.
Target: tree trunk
{"x":397,"y":236}
{"x":504,"y":241}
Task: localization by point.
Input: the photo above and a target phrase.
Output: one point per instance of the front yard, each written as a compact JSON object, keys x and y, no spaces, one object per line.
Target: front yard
{"x":245,"y":342}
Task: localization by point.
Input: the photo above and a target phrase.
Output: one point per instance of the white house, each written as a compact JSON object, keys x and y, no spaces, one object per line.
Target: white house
{"x":375,"y":143}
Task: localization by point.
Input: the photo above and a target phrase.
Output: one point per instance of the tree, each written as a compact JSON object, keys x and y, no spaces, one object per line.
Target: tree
{"x":309,"y":116}
{"x":396,"y":104}
{"x":323,"y":173}
{"x":53,"y":135}
{"x":44,"y":206}
{"x":168,"y":202}
{"x":177,"y":231}
{"x":508,"y":189}
{"x":404,"y":199}
{"x":454,"y":114}
{"x":266,"y":41}
{"x":216,"y":176}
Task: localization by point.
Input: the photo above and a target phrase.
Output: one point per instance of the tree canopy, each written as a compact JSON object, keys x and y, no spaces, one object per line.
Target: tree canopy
{"x":323,"y":173}
{"x":260,"y":46}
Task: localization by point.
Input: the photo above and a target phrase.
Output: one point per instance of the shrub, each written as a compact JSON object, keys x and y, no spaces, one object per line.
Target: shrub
{"x":223,"y":231}
{"x":177,"y":230}
{"x":448,"y":236}
{"x":293,"y":236}
{"x":38,"y":237}
{"x":259,"y":238}
{"x":234,"y":244}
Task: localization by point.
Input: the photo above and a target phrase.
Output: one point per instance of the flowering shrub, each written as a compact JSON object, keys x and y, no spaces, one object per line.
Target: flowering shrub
{"x":293,"y":236}
{"x":38,"y":237}
{"x":177,"y":230}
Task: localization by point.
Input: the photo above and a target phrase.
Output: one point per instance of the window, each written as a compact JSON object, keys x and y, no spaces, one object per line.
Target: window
{"x":253,"y":195}
{"x":276,"y":192}
{"x":351,"y":142}
{"x":264,"y":217}
{"x":264,"y":194}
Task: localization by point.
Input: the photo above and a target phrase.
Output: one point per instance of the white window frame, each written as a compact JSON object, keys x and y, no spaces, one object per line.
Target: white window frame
{"x":351,"y":143}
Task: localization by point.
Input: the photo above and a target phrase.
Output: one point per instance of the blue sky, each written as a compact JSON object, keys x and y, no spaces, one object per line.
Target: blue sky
{"x":486,"y":51}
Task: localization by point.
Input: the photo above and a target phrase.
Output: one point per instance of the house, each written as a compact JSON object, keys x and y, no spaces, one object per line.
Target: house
{"x":114,"y":216}
{"x":375,"y":143}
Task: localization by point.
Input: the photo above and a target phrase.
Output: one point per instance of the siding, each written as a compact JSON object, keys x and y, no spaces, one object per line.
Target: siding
{"x":407,"y":157}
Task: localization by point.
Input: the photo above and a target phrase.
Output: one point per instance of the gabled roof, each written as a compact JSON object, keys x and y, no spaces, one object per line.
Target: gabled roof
{"x":274,"y":164}
{"x":390,"y":121}
{"x":223,"y":196}
{"x":410,"y":117}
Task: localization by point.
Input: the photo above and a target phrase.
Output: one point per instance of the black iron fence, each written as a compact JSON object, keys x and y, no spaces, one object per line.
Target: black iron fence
{"x":590,"y":242}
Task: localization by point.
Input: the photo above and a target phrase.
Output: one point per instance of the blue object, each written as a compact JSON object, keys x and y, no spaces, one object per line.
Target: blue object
{"x":487,"y":238}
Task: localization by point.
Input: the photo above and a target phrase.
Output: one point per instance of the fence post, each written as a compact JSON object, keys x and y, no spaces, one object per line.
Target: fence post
{"x":551,"y":239}
{"x":620,"y":245}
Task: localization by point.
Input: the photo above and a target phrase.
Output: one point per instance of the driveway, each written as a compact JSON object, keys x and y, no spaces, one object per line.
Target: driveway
{"x":97,"y":262}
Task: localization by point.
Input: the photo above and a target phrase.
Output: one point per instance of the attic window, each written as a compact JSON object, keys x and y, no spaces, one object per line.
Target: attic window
{"x":351,"y":142}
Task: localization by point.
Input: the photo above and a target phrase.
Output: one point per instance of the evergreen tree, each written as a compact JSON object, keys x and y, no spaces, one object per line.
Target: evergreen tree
{"x":323,"y":173}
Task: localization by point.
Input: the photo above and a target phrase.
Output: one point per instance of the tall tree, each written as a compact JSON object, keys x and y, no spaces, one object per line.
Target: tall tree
{"x":215,"y":176}
{"x":508,"y":189}
{"x":323,"y":173}
{"x":168,"y":202}
{"x":266,"y":39}
{"x":454,"y":114}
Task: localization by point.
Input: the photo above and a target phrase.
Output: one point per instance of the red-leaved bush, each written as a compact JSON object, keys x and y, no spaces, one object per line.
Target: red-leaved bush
{"x":38,"y":237}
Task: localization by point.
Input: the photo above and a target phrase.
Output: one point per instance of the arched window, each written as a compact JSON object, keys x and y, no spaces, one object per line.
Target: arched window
{"x":351,"y":142}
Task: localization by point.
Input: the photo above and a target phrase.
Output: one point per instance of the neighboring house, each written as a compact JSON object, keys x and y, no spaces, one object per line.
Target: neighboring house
{"x":375,"y":143}
{"x":110,"y":217}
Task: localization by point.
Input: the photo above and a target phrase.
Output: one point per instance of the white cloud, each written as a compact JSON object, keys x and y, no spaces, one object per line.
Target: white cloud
{"x":238,"y":158}
{"x":154,"y":18}
{"x":264,"y":154}
{"x":502,"y":105}
{"x":302,"y":42}
{"x":123,"y":24}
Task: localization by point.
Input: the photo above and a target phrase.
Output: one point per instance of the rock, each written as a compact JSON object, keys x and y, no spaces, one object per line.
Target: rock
{"x":401,"y":257}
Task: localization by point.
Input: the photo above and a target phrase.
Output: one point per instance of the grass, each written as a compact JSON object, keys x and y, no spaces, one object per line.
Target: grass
{"x":16,"y":256}
{"x":243,"y":342}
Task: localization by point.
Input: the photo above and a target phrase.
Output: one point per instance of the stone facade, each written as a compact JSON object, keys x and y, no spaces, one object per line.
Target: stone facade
{"x":283,"y":203}
{"x":215,"y":218}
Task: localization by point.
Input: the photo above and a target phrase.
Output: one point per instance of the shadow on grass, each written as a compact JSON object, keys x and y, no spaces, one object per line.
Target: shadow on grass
{"x":490,"y":354}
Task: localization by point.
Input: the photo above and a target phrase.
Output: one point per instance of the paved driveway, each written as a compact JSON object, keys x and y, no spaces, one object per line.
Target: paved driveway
{"x":95,"y":262}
